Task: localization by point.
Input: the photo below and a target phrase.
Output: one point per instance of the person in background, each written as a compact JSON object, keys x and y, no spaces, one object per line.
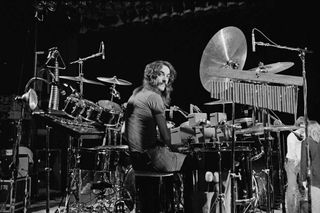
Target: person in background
{"x":313,"y":141}
{"x":292,"y":167}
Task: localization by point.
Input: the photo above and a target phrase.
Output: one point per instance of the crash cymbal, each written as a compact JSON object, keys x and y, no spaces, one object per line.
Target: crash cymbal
{"x":109,"y":105}
{"x":114,"y":80}
{"x":218,"y":102}
{"x":226,"y":49}
{"x":78,"y":78}
{"x":272,"y":68}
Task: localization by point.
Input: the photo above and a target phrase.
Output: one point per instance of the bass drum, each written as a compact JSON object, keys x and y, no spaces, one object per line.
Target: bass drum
{"x":260,"y":190}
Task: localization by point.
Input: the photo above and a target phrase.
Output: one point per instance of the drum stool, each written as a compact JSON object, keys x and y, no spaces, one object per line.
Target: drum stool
{"x":154,"y":192}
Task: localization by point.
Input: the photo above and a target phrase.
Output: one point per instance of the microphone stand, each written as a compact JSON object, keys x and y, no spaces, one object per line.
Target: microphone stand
{"x":302,"y":53}
{"x":80,"y":62}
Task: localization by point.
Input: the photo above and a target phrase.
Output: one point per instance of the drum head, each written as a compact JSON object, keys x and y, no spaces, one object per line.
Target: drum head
{"x":111,"y":106}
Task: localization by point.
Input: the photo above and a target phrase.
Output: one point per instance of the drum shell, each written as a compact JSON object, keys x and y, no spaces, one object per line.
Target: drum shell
{"x":208,"y":160}
{"x":102,"y":159}
{"x":73,"y":106}
{"x":109,"y":117}
{"x":91,"y":111}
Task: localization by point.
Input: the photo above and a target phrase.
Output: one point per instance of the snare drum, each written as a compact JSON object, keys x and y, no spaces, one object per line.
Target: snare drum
{"x":73,"y":106}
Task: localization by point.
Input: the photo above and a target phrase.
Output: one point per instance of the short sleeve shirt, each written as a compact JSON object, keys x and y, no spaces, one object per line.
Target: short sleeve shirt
{"x":140,"y":129}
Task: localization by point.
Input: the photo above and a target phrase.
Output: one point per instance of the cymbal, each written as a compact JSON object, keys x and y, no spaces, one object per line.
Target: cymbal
{"x":106,"y":104}
{"x":78,"y":78}
{"x":260,"y":129}
{"x":272,"y":68}
{"x":106,"y":147}
{"x":218,"y":102}
{"x":226,"y":49}
{"x":114,"y":80}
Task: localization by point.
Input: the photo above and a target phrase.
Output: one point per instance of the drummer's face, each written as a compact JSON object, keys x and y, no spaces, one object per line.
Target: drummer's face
{"x":163,"y":78}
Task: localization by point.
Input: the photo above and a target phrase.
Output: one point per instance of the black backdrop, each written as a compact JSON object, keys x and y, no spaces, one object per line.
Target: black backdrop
{"x":129,"y":48}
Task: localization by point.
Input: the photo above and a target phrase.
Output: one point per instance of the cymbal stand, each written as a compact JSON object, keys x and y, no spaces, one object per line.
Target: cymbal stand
{"x":281,"y":171}
{"x":48,"y":170}
{"x":268,"y":171}
{"x":73,"y":177}
{"x":15,"y":162}
{"x":233,"y":175}
{"x":114,"y":92}
{"x":221,"y":196}
{"x":80,"y":62}
{"x":302,"y":53}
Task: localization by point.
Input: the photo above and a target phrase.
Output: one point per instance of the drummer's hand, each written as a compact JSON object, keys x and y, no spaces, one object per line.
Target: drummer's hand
{"x":171,"y":148}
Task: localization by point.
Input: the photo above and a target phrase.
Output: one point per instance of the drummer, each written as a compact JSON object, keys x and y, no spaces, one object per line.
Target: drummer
{"x":145,"y":113}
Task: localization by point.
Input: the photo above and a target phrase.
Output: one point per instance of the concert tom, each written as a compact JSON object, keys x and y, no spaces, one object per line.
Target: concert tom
{"x":73,"y":106}
{"x":111,"y":113}
{"x":91,"y":111}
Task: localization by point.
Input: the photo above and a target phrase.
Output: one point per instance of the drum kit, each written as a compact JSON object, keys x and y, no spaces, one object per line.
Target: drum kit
{"x":107,"y":162}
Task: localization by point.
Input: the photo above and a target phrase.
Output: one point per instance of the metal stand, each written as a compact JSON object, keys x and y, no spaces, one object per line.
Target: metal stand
{"x":15,"y":161}
{"x":302,"y":53}
{"x":233,"y":175}
{"x":80,"y":62}
{"x":48,"y":169}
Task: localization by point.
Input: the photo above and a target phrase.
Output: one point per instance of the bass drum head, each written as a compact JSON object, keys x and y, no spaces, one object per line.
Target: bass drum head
{"x":260,"y":190}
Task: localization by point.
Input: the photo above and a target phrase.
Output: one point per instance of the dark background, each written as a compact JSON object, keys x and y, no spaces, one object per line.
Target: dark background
{"x":131,"y":46}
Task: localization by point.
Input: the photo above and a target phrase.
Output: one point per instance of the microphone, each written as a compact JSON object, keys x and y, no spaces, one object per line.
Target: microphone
{"x":253,"y":41}
{"x":102,"y":50}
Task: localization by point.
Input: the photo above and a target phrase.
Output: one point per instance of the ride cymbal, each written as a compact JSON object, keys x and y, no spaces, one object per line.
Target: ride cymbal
{"x":226,"y":49}
{"x":272,"y":68}
{"x":79,"y":79}
{"x":114,"y":80}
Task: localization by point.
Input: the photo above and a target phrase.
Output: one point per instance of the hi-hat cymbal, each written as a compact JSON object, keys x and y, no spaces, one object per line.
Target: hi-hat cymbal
{"x":79,"y":78}
{"x":114,"y":80}
{"x":226,"y":49}
{"x":272,"y":68}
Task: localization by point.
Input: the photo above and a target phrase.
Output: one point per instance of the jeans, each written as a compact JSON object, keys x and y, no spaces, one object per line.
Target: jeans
{"x":292,"y":194}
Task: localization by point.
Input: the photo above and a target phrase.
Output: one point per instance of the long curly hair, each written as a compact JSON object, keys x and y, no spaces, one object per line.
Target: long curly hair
{"x":152,"y":71}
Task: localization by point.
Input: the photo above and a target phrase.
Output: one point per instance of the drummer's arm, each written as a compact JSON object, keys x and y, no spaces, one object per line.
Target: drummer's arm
{"x":165,"y":135}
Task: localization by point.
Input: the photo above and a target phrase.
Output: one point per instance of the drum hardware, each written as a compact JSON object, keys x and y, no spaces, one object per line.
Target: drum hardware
{"x":272,"y":68}
{"x":114,"y":81}
{"x":80,"y":78}
{"x":111,"y":194}
{"x":54,"y":93}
